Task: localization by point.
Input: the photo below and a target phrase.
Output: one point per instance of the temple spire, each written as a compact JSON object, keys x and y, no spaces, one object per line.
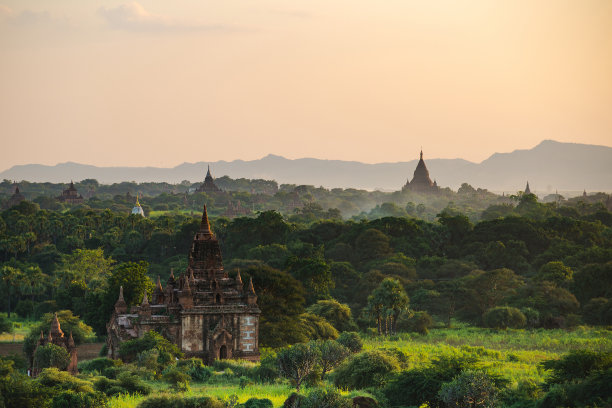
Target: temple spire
{"x":251,"y":288}
{"x":70,"y":340}
{"x":208,"y":172}
{"x":145,"y":299}
{"x":527,"y":189}
{"x":159,"y":285}
{"x":205,"y":225}
{"x":55,"y":327}
{"x":421,"y":153}
{"x":121,"y":294}
{"x":239,"y":281}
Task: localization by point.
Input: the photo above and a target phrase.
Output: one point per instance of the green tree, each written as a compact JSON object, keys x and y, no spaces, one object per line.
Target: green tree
{"x":502,"y":317}
{"x":336,"y":313}
{"x":555,"y":272}
{"x":297,"y":361}
{"x":69,"y":323}
{"x":387,"y":301}
{"x":51,"y":355}
{"x":331,"y":354}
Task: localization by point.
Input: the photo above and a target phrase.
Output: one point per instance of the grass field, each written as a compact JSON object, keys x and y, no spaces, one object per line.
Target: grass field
{"x":514,"y":354}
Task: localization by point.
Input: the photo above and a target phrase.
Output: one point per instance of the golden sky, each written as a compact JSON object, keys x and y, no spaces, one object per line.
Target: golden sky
{"x":163,"y":82}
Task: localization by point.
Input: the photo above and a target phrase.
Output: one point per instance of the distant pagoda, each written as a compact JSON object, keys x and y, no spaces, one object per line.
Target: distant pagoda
{"x":209,"y":184}
{"x":56,"y":336}
{"x":70,"y":195}
{"x":137,"y":210}
{"x":15,"y":199}
{"x":527,"y":189}
{"x":421,"y":183}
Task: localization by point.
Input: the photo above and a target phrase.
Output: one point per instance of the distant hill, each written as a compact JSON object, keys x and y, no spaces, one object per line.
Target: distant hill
{"x":548,"y":167}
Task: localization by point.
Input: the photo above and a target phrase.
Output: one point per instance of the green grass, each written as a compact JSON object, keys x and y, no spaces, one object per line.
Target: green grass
{"x":513,"y":354}
{"x":21,"y":328}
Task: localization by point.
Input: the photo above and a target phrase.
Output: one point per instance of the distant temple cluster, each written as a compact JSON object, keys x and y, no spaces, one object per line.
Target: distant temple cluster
{"x":421,"y":183}
{"x":204,"y":312}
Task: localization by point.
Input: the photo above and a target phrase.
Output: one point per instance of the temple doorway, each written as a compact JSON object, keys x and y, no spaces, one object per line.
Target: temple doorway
{"x":223,"y":353}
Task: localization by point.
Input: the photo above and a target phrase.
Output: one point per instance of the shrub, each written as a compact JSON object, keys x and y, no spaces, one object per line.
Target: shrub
{"x":126,"y":382}
{"x":178,"y":379}
{"x":257,"y":403}
{"x":366,"y":369}
{"x":195,"y":369}
{"x":51,"y":356}
{"x":418,"y":322}
{"x":329,"y":398}
{"x":598,"y":311}
{"x":129,"y":350}
{"x":166,"y":400}
{"x":62,"y":380}
{"x":98,"y":365}
{"x":351,"y":340}
{"x":503,"y":317}
{"x":331,"y":354}
{"x":417,"y":386}
{"x":71,"y":399}
{"x":470,"y":389}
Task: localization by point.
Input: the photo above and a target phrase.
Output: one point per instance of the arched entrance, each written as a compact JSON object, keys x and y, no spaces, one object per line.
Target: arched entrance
{"x":223,"y":352}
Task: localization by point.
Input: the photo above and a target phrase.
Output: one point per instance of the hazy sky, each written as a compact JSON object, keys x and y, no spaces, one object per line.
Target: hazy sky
{"x":163,"y":82}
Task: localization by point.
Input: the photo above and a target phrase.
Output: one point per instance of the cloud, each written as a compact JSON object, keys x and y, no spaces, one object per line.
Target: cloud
{"x":134,"y":17}
{"x":29,"y":18}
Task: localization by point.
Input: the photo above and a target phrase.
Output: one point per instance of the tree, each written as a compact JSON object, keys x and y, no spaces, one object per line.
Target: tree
{"x":5,"y":325}
{"x":297,"y":361}
{"x":11,"y":278}
{"x":387,"y":301}
{"x":372,"y":244}
{"x":133,"y":277}
{"x":351,"y":340}
{"x":336,"y":313}
{"x":555,"y":272}
{"x":503,"y":317}
{"x":331,"y":354}
{"x":281,"y":300}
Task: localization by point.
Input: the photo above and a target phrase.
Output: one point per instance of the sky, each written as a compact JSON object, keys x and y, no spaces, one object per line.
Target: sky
{"x":159,"y":83}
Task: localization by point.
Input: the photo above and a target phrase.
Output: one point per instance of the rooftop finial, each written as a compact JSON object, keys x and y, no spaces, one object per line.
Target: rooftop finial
{"x":251,"y":288}
{"x":421,"y":152}
{"x":145,"y":299}
{"x":121,"y":293}
{"x":159,"y":285}
{"x":527,"y":189}
{"x":208,"y":172}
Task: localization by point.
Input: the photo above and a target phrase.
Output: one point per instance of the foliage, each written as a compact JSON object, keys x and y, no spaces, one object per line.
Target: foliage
{"x":195,"y":369}
{"x":129,"y":350}
{"x":71,"y":399}
{"x":469,"y":389}
{"x":297,"y":361}
{"x":317,"y":328}
{"x":166,"y":400}
{"x":51,"y":355}
{"x":325,"y":398}
{"x":351,"y":340}
{"x":366,"y":369}
{"x":386,"y":303}
{"x":6,"y":326}
{"x":331,"y":354}
{"x":419,"y":322}
{"x":503,"y":317}
{"x":336,"y":313}
{"x":177,"y":378}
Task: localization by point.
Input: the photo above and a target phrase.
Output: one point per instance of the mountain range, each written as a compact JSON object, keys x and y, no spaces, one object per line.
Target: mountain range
{"x":549,"y":166}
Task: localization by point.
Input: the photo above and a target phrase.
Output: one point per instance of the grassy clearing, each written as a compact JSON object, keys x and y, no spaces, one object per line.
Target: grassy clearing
{"x":21,"y":328}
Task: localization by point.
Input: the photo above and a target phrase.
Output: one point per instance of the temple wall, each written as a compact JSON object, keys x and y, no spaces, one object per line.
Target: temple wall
{"x":192,"y":333}
{"x":248,"y":333}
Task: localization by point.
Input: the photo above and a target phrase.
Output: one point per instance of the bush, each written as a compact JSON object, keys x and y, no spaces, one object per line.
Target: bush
{"x":98,"y":365}
{"x":62,"y":380}
{"x":414,"y":387}
{"x":470,"y":389}
{"x":5,"y":325}
{"x":177,"y":378}
{"x":129,"y":350}
{"x":297,"y":361}
{"x":126,"y":382}
{"x":71,"y":399}
{"x":329,"y":398}
{"x":598,"y":311}
{"x":351,"y":340}
{"x":195,"y":369}
{"x":51,"y":356}
{"x":419,"y":322}
{"x":165,"y":401}
{"x":366,"y":369}
{"x":503,"y":317}
{"x":257,"y":403}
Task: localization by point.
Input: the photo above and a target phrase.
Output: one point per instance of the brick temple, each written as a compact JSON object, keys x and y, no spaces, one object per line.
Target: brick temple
{"x":421,"y":183}
{"x":204,"y":312}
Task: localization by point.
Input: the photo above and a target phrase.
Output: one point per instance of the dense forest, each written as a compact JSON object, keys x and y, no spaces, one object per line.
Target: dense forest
{"x":481,"y":260}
